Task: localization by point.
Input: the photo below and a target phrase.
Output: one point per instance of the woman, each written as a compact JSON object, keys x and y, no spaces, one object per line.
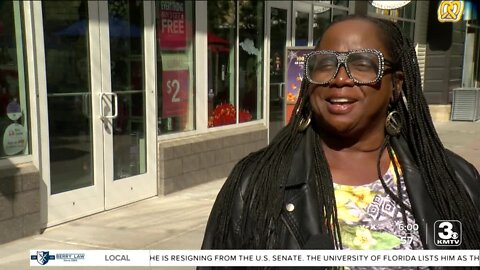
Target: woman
{"x":360,"y":166}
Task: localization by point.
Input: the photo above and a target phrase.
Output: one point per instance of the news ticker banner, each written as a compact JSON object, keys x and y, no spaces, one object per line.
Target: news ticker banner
{"x":254,"y":258}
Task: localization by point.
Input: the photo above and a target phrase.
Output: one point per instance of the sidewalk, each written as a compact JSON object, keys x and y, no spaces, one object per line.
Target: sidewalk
{"x":176,"y":221}
{"x":462,"y":138}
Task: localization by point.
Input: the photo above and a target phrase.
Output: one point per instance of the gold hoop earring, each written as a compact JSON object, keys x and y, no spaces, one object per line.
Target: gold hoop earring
{"x":304,"y":123}
{"x":393,"y":123}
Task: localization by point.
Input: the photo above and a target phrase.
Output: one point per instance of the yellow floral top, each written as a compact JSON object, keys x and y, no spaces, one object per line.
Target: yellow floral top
{"x":370,"y":220}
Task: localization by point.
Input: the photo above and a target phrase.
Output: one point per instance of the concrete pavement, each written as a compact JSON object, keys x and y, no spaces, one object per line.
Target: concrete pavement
{"x":176,"y":221}
{"x":462,"y":138}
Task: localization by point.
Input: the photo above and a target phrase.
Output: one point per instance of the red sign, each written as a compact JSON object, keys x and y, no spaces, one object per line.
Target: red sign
{"x":174,"y":92}
{"x":171,"y":25}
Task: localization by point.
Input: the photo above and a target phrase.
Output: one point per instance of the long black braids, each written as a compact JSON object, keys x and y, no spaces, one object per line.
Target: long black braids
{"x":448,"y":194}
{"x":264,"y":193}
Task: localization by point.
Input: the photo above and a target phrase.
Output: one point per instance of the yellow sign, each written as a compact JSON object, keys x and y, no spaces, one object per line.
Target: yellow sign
{"x":450,"y":11}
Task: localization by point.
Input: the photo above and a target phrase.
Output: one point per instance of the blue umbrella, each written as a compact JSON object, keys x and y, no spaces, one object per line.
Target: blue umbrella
{"x":117,"y":28}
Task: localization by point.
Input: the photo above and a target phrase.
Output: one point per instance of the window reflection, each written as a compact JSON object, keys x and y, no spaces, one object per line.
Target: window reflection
{"x":471,"y":69}
{"x":250,"y":60}
{"x":405,"y":16}
{"x":301,"y":28}
{"x":223,"y":106}
{"x":68,"y":94}
{"x":321,"y":20}
{"x":175,"y":65}
{"x":222,"y":29}
{"x":322,"y":17}
{"x":128,"y":82}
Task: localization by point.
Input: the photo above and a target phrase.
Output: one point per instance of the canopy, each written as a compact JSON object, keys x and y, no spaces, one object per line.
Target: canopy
{"x":117,"y":28}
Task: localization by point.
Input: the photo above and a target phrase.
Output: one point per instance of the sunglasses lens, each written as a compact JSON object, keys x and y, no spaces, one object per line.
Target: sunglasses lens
{"x":363,"y":66}
{"x":321,"y":67}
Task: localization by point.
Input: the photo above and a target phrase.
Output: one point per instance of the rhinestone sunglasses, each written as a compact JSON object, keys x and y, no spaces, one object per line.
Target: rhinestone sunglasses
{"x":364,"y":66}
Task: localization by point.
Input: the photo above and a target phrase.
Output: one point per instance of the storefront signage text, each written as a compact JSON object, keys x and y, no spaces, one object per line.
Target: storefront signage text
{"x":14,"y":139}
{"x":174,"y":92}
{"x":171,"y":26}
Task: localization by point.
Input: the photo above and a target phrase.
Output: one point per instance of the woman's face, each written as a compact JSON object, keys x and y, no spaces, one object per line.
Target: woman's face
{"x":343,"y":107}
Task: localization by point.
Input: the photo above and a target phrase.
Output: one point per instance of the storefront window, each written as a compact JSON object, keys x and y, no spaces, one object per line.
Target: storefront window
{"x":471,"y":64}
{"x":343,"y":3}
{"x":175,"y":66}
{"x":408,"y":28}
{"x":250,"y":66}
{"x":471,"y":56}
{"x":14,"y":124}
{"x":321,"y":20}
{"x":322,"y":17}
{"x":222,"y":29}
{"x":301,"y":28}
{"x":222,"y":61}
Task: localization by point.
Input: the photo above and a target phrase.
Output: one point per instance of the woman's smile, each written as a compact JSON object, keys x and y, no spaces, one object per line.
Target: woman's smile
{"x":340,"y":105}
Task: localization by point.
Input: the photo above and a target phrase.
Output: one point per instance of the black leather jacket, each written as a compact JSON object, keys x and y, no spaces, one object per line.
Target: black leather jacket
{"x":301,"y":225}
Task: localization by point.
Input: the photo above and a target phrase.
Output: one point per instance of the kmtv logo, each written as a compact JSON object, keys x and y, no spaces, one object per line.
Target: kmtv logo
{"x":447,"y":233}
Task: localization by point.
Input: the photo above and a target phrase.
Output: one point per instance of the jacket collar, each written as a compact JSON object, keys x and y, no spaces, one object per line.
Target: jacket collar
{"x":302,"y":161}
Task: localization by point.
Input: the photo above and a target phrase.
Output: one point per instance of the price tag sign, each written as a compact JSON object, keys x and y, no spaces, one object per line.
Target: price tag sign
{"x":174,"y":92}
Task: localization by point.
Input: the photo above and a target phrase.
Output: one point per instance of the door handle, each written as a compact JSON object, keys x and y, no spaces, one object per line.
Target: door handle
{"x":115,"y":107}
{"x":281,"y":93}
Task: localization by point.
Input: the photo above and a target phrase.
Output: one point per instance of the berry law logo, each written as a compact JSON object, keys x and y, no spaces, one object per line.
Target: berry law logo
{"x":42,"y":257}
{"x":447,"y":233}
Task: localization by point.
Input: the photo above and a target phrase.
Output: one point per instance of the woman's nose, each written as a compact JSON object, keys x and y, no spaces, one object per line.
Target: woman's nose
{"x":342,"y":77}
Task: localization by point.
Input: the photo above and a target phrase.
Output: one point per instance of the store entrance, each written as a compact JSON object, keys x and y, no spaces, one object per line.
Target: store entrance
{"x":98,"y":148}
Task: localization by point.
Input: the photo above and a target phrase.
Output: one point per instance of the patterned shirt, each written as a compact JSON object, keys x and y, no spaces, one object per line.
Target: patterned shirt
{"x":371,"y":220}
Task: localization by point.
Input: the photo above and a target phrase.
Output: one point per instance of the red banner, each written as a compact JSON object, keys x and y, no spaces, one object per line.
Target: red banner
{"x":171,"y":25}
{"x":174,"y":92}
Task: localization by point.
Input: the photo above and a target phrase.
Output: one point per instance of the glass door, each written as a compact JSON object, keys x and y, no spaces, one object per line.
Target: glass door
{"x":129,"y":165}
{"x":279,"y":36}
{"x":94,"y":154}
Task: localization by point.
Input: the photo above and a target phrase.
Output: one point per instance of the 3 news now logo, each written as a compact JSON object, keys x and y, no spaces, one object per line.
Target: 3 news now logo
{"x":447,"y":233}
